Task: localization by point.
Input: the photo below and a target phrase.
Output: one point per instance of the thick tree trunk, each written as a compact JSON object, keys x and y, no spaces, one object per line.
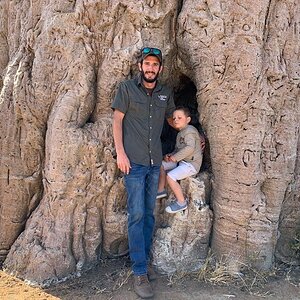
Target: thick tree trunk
{"x":62,"y":198}
{"x":245,"y":64}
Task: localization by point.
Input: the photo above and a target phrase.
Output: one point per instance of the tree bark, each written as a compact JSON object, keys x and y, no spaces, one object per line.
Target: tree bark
{"x":62,"y":197}
{"x":247,"y":79}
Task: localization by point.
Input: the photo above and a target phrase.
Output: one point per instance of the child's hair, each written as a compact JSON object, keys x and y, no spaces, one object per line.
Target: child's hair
{"x":185,"y":110}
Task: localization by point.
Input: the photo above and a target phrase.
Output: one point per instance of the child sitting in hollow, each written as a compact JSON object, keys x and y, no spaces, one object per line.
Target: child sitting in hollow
{"x":183,"y":162}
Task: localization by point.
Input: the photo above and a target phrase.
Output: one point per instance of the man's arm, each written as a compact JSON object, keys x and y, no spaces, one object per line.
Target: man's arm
{"x":202,"y":142}
{"x":122,"y":159}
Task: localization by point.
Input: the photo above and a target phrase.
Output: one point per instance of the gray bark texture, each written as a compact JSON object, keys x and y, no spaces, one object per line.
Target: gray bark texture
{"x":62,"y":200}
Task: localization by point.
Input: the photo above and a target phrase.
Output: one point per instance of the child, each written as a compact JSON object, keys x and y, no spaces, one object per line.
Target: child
{"x":183,"y":162}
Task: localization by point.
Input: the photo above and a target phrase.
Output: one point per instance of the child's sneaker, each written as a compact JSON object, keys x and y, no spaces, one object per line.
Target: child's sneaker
{"x":162,"y":194}
{"x":175,"y":207}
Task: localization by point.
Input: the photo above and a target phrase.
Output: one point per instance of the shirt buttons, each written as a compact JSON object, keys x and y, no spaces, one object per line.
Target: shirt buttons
{"x":150,"y":116}
{"x":150,"y":127}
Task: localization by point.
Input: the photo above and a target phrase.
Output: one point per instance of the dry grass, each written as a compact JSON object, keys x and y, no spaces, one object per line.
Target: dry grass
{"x":247,"y":279}
{"x":215,"y":271}
{"x":113,"y":276}
{"x":114,"y":281}
{"x":219,"y":272}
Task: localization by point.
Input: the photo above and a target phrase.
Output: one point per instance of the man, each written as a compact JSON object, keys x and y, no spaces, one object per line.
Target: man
{"x":140,"y":107}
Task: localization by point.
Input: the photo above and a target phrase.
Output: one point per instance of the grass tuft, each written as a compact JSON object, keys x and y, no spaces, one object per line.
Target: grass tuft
{"x":219,"y":272}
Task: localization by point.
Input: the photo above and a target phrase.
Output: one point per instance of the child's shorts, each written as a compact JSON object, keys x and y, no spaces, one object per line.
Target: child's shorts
{"x":178,"y":171}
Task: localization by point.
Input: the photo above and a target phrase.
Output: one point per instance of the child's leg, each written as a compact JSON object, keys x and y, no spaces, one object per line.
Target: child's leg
{"x":162,"y":180}
{"x":176,"y":188}
{"x":161,"y":193}
{"x":183,"y":170}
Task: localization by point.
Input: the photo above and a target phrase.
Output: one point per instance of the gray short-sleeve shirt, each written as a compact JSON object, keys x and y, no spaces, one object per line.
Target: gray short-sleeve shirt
{"x":143,"y":120}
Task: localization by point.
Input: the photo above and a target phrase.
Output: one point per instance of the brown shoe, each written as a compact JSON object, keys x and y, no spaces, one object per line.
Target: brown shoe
{"x":142,"y":286}
{"x":152,"y":275}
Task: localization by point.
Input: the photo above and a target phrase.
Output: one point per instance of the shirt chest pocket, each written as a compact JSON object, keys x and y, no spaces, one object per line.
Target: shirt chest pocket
{"x":138,"y":107}
{"x":160,"y":104}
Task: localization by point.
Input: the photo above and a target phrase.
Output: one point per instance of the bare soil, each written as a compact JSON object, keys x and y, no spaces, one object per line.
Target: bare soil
{"x":112,"y":279}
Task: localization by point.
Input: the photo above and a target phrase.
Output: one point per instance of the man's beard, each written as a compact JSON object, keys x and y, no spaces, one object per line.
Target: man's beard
{"x":149,"y":80}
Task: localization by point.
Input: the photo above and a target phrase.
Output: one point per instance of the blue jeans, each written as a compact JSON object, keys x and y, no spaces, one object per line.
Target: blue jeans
{"x":141,"y":184}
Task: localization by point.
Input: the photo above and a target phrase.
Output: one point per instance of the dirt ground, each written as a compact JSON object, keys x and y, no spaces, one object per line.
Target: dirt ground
{"x":111,"y":279}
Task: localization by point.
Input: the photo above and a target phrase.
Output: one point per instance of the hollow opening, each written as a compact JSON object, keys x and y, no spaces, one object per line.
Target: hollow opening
{"x":185,"y":94}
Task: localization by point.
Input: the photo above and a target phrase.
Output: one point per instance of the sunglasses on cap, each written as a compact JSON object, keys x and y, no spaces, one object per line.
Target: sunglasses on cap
{"x":151,"y":51}
{"x":154,"y":51}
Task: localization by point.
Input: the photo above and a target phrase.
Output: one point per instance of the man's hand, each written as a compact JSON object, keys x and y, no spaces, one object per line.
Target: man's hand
{"x":202,"y":142}
{"x":170,"y":121}
{"x":123,"y":163}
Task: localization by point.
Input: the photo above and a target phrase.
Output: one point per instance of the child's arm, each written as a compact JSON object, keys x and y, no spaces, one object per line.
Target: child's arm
{"x":167,"y":157}
{"x":190,"y":144}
